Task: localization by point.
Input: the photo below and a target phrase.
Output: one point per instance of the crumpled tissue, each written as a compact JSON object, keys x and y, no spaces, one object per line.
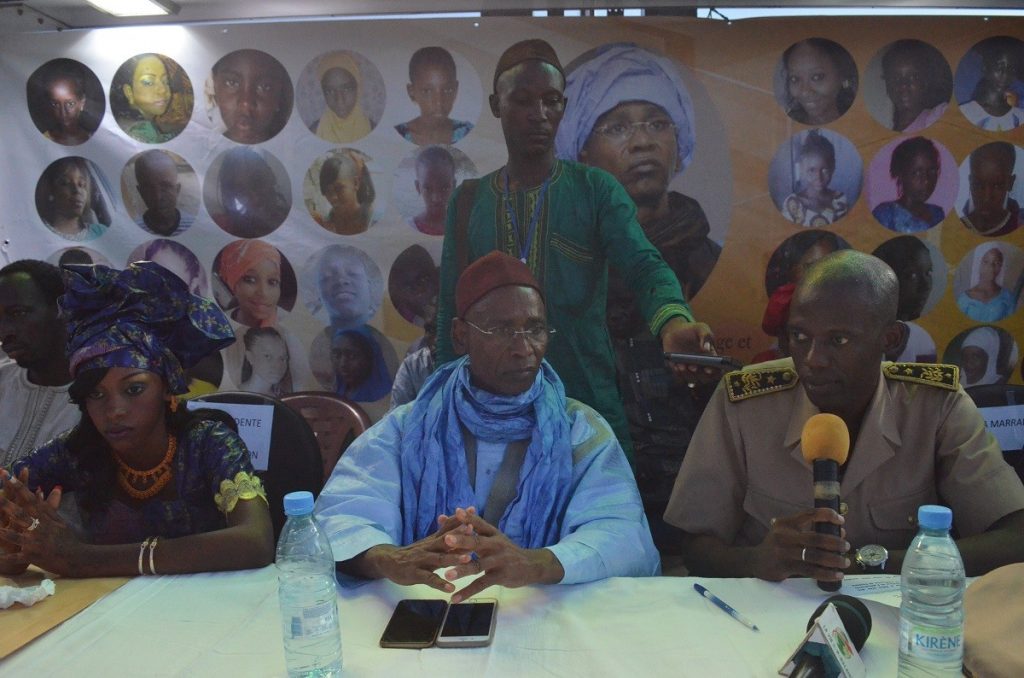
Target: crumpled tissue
{"x":28,"y":595}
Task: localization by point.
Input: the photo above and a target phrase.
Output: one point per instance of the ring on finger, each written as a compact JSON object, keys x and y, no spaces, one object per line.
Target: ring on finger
{"x":33,"y":525}
{"x":803,"y":554}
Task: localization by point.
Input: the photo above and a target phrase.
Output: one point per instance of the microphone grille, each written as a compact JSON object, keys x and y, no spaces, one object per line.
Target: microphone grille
{"x":825,"y":436}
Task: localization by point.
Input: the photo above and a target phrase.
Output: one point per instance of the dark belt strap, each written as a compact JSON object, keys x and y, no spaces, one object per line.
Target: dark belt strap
{"x":506,"y":480}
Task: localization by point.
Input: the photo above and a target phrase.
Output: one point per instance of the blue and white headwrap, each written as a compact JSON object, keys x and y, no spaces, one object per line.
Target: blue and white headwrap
{"x":617,"y":73}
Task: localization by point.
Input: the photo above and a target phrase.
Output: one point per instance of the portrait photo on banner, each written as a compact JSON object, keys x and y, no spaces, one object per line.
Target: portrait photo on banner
{"x":160,"y":192}
{"x":423,"y":183}
{"x":912,"y":184}
{"x":151,"y":98}
{"x":815,"y":178}
{"x":985,"y":354}
{"x":907,"y":85}
{"x":988,"y":84}
{"x":338,"y":191}
{"x":445,"y":107}
{"x":249,"y":96}
{"x":340,"y":96}
{"x":65,"y":101}
{"x":990,"y":196}
{"x":816,"y":81}
{"x":988,"y":282}
{"x":247,"y":192}
{"x":74,"y":199}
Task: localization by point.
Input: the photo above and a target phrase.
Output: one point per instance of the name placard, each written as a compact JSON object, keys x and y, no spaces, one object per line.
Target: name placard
{"x":1007,"y":424}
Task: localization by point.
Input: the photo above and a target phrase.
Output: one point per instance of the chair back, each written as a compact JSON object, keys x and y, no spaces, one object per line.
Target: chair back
{"x":294,"y":459}
{"x":1007,"y":422}
{"x":335,"y":421}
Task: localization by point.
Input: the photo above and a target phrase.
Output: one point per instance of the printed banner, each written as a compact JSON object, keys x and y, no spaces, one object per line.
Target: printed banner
{"x":298,"y":173}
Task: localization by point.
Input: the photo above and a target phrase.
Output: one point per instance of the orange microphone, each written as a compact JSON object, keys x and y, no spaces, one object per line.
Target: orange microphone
{"x":825,"y":443}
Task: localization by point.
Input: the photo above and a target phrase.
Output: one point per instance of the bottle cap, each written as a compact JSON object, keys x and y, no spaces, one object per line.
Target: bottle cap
{"x":934,"y":517}
{"x":298,"y":503}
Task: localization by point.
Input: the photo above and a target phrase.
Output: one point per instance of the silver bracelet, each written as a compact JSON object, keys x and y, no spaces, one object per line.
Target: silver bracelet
{"x":152,"y":550}
{"x":142,"y":550}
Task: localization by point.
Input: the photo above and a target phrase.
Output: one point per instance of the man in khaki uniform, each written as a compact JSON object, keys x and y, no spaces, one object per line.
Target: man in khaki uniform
{"x":744,"y":493}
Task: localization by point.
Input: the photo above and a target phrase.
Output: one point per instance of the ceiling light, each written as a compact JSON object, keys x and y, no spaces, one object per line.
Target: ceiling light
{"x":135,"y":7}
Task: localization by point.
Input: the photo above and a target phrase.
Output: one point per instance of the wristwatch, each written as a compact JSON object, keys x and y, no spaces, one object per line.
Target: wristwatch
{"x":872,"y":558}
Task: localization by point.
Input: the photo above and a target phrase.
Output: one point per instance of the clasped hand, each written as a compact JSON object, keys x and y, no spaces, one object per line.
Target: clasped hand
{"x":793,"y":548}
{"x":31,"y":531}
{"x":467,"y":544}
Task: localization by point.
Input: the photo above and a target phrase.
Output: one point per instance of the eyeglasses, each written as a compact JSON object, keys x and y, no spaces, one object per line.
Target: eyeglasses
{"x":536,"y":335}
{"x":624,"y":131}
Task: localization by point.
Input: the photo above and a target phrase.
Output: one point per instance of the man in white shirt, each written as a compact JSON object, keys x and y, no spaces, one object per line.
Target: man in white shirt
{"x":34,"y":404}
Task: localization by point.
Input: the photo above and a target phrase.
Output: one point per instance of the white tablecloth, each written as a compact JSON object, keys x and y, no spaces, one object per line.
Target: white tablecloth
{"x":228,"y":624}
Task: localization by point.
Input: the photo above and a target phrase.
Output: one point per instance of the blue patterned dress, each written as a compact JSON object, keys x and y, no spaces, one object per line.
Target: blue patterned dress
{"x":211,"y":472}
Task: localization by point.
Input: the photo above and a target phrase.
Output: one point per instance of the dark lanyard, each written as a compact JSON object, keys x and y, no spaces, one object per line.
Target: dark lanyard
{"x":524,"y":247}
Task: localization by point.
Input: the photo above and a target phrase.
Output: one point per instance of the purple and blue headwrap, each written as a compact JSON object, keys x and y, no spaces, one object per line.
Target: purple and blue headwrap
{"x":143,"y":317}
{"x":616,"y":74}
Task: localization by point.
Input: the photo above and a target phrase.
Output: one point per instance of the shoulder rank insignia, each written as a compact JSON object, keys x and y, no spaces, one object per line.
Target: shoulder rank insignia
{"x":743,"y":384}
{"x":930,"y":374}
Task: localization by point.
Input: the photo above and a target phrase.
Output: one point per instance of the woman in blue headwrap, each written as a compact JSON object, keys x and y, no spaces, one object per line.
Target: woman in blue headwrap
{"x":145,"y":472}
{"x":618,"y":73}
{"x":630,"y":114}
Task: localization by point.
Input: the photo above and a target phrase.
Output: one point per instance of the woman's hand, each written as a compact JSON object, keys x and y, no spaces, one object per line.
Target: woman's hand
{"x":32,"y":531}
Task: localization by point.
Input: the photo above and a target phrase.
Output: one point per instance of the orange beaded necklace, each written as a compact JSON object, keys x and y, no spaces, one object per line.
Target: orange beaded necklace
{"x":154,"y":480}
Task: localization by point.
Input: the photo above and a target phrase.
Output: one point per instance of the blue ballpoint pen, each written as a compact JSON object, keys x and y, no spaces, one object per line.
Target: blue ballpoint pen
{"x":725,"y":607}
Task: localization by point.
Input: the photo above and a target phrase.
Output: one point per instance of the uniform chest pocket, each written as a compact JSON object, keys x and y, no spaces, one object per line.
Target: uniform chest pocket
{"x":899,"y":514}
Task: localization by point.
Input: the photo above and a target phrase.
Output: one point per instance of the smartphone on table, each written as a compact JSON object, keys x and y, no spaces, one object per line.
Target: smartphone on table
{"x":469,"y":624}
{"x":414,"y":624}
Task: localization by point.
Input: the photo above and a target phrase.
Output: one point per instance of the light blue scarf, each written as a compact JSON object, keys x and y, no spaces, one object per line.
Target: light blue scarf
{"x":435,"y":478}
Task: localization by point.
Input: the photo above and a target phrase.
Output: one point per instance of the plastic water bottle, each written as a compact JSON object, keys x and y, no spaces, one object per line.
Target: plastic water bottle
{"x":932,"y":612}
{"x":306,"y":591}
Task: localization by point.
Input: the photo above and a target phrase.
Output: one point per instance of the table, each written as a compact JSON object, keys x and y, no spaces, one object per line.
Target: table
{"x":21,"y":625}
{"x":227,"y":624}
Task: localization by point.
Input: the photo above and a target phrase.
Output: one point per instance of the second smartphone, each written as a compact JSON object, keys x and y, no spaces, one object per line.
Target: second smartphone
{"x":469,"y":624}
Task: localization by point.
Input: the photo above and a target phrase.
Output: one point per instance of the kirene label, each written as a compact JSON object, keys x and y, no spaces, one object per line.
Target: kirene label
{"x":935,"y":643}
